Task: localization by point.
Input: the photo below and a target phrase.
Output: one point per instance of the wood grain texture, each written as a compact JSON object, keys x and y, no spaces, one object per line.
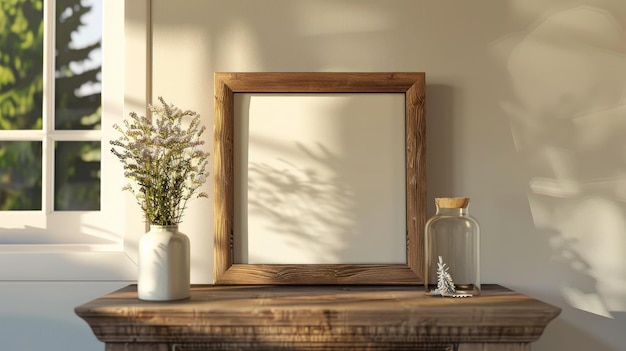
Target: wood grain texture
{"x":224,"y":177}
{"x":137,"y":347}
{"x":308,"y":347}
{"x":412,"y":85}
{"x":495,"y":347}
{"x":303,"y":274}
{"x":242,"y":317}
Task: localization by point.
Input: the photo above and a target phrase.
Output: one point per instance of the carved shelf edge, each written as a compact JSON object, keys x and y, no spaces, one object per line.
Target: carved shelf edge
{"x":318,"y":318}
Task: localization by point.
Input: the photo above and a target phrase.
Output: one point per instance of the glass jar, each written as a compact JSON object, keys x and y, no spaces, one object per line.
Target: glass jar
{"x":452,"y":250}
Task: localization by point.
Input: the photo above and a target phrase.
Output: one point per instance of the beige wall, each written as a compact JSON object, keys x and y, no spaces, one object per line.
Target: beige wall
{"x":526,"y":104}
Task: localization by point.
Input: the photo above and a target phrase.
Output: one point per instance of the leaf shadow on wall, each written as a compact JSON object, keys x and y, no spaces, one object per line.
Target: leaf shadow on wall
{"x":297,"y":204}
{"x":566,"y":112}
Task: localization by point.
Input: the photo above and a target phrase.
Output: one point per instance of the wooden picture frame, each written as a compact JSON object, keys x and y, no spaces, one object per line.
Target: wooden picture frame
{"x":412,"y":85}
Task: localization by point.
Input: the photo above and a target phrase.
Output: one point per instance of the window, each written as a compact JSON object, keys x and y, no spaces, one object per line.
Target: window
{"x":62,"y":210}
{"x":50,"y":148}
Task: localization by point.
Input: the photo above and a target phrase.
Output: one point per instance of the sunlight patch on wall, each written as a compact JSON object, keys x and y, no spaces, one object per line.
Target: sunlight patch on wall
{"x":568,"y":120}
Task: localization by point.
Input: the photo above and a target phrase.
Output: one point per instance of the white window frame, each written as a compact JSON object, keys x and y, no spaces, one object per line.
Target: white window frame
{"x":81,"y":245}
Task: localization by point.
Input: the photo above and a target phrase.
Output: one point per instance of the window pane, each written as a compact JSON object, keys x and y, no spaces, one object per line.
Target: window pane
{"x":77,"y":176}
{"x":21,"y":64}
{"x":78,"y":64}
{"x":20,"y":175}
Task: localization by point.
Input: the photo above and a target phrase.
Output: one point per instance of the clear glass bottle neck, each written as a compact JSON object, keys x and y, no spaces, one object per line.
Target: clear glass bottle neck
{"x":462,"y":211}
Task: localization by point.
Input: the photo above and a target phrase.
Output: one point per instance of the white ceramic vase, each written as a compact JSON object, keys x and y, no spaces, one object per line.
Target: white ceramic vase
{"x":163,"y":264}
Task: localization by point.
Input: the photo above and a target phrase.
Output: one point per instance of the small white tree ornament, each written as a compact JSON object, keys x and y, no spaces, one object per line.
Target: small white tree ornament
{"x":445,"y":284}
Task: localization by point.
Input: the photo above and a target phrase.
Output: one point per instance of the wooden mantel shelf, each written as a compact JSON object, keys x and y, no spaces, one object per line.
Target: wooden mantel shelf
{"x":318,"y":318}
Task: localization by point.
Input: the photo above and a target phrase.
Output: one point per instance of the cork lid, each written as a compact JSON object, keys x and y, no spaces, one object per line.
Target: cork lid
{"x":452,"y":202}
